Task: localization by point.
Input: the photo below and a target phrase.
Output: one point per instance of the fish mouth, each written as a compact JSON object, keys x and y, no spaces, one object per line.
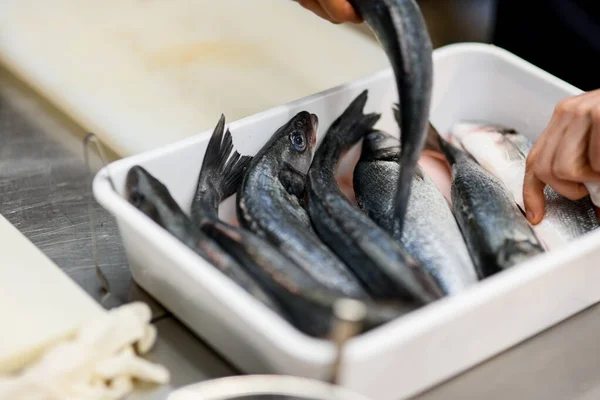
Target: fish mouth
{"x":315,"y":126}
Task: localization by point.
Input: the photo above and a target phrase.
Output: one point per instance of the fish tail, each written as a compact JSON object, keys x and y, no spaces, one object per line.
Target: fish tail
{"x":434,"y":140}
{"x":354,"y":124}
{"x":223,"y":165}
{"x":222,"y":171}
{"x":397,"y":115}
{"x":233,"y":172}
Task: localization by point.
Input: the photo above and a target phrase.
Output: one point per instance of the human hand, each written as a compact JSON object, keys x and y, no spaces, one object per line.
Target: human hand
{"x":566,"y":155}
{"x":335,"y":11}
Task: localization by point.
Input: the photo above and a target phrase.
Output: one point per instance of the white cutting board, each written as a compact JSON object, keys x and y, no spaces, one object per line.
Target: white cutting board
{"x":39,"y":304}
{"x":143,"y":73}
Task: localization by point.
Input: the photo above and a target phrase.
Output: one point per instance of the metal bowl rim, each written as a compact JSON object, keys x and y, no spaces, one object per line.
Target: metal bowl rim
{"x":246,"y":385}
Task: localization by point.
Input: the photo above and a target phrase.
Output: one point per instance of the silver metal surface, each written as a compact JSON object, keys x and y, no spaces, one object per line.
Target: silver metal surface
{"x":44,"y":188}
{"x":349,"y":315}
{"x":44,"y":191}
{"x":272,"y":387}
{"x":188,"y":360}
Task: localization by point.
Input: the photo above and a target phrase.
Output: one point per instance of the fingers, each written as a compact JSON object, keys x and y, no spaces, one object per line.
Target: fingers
{"x":544,"y":150}
{"x":340,"y":10}
{"x":533,"y":190}
{"x":570,"y":190}
{"x":533,"y":197}
{"x":335,"y":11}
{"x":315,"y":7}
{"x":533,"y":193}
{"x":566,"y":155}
{"x":594,"y":144}
{"x":571,"y":155}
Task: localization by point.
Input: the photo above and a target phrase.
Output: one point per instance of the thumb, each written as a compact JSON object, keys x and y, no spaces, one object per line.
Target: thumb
{"x":533,"y":197}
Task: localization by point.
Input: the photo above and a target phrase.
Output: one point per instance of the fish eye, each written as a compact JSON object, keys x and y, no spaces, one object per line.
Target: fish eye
{"x":298,"y":141}
{"x":137,"y":198}
{"x":374,"y":137}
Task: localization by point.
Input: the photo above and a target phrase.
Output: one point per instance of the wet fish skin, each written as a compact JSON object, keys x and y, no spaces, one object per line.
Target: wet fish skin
{"x":291,"y":287}
{"x":496,"y":232}
{"x":383,"y":265}
{"x":400,"y":28}
{"x":308,"y":303}
{"x":270,"y":203}
{"x":151,"y":197}
{"x":583,"y":210}
{"x":431,"y":233}
{"x":503,"y":152}
{"x":376,"y":177}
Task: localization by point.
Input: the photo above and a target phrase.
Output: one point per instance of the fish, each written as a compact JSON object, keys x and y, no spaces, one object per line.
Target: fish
{"x":401,"y":29}
{"x":431,"y":233}
{"x":308,"y":303}
{"x":525,"y":145}
{"x":383,"y":265}
{"x":503,"y":152}
{"x":221,"y":175}
{"x":271,"y":203}
{"x":497,"y":233}
{"x":151,"y":197}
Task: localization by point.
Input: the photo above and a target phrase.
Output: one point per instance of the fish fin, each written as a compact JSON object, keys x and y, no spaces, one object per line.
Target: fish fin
{"x":419,"y":173}
{"x":233,"y":171}
{"x":436,"y":143}
{"x":513,"y":251}
{"x":220,"y":175}
{"x":434,"y":140}
{"x":397,"y":115}
{"x":222,"y":165}
{"x":295,"y":181}
{"x":212,"y":157}
{"x":354,"y":124}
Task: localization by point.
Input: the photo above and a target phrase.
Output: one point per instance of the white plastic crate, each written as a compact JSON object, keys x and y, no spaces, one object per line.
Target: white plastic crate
{"x":414,"y":352}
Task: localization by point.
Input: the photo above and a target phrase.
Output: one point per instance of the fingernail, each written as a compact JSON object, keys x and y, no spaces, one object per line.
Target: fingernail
{"x":530,"y":216}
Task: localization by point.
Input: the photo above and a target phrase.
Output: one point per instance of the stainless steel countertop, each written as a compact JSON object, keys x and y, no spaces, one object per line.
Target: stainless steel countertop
{"x":44,"y":189}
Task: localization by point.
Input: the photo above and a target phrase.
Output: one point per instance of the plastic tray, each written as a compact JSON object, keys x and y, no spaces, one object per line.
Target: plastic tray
{"x":412,"y":353}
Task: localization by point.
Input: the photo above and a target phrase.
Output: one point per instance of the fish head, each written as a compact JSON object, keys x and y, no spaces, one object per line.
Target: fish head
{"x":140,"y":190}
{"x":379,"y":145}
{"x":521,"y":142}
{"x":491,"y":145}
{"x":514,"y":252}
{"x":463,"y":130}
{"x":297,"y":140}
